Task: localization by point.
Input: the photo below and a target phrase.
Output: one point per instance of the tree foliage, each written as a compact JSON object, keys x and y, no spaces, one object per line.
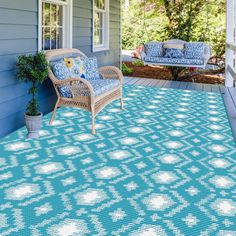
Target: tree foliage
{"x":189,"y":20}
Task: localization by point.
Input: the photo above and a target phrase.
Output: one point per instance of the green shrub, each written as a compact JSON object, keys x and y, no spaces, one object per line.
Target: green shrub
{"x":33,"y":69}
{"x":138,"y":63}
{"x":126,"y":70}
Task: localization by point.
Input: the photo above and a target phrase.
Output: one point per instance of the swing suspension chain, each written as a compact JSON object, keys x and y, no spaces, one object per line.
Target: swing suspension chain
{"x":144,"y":21}
{"x":207,"y":21}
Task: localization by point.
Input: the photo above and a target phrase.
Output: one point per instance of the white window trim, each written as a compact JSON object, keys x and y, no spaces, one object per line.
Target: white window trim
{"x":67,"y":23}
{"x":106,"y":35}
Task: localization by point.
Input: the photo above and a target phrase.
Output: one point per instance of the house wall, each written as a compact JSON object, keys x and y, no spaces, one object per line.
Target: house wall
{"x":19,"y":35}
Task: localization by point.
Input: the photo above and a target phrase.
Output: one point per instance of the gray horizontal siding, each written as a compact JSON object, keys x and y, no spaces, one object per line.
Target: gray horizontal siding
{"x":82,"y":31}
{"x":22,"y":32}
{"x":17,"y":17}
{"x":19,"y":35}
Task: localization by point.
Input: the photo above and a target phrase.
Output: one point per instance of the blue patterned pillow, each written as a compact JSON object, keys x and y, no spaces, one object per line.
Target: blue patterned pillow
{"x":173,"y":53}
{"x":68,"y":68}
{"x":62,"y":72}
{"x":91,"y":68}
{"x":194,"y":50}
{"x":75,"y":66}
{"x":65,"y":69}
{"x":154,"y":49}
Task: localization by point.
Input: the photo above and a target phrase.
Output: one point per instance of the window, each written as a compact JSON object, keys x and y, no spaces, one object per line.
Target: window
{"x":100,"y":25}
{"x":55,"y":24}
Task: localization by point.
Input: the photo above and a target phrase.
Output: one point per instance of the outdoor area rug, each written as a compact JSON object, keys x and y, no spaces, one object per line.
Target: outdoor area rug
{"x":163,"y":166}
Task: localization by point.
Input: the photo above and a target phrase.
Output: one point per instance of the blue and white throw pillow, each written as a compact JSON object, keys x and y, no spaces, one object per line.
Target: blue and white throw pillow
{"x":154,"y":49}
{"x":194,"y":50}
{"x":173,"y":53}
{"x":91,"y":68}
{"x":62,"y":72}
{"x":67,"y":68}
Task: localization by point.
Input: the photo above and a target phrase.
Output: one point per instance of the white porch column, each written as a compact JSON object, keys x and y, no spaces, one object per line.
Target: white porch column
{"x":230,"y":38}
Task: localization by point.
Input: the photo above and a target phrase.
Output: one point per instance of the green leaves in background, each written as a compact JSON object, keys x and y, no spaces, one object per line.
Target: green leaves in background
{"x":160,"y":20}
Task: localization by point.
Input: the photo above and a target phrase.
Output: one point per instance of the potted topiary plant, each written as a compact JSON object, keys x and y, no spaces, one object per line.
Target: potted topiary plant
{"x":33,"y":69}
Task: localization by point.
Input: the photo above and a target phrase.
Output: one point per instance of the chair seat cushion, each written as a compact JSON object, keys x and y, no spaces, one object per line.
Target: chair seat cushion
{"x":101,"y":86}
{"x":182,"y":61}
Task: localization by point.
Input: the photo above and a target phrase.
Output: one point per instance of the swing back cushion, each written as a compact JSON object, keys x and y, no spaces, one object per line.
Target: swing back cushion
{"x":154,"y":49}
{"x":173,"y":49}
{"x":194,"y":50}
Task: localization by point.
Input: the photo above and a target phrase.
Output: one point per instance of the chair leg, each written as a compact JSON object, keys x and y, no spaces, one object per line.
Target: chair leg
{"x":93,"y":122}
{"x":121,"y":104}
{"x":54,"y":113}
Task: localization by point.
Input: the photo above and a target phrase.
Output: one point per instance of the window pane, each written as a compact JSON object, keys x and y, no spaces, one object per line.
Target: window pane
{"x":54,"y":15}
{"x":59,"y":38}
{"x":52,"y":26}
{"x":46,"y":37}
{"x":98,"y":28}
{"x":46,"y":14}
{"x":100,"y":4}
{"x":53,"y":38}
{"x":59,"y":15}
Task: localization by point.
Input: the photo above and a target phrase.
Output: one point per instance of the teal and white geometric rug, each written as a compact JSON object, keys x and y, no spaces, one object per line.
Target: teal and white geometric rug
{"x":163,"y":166}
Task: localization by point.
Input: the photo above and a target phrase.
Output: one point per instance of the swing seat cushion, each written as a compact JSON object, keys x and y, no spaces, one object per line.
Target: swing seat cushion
{"x":174,"y":61}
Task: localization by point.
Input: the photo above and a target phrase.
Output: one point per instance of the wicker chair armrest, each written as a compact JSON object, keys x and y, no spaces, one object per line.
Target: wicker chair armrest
{"x":111,"y":72}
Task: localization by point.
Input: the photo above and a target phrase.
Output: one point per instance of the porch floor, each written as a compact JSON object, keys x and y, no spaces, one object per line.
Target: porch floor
{"x":228,"y":94}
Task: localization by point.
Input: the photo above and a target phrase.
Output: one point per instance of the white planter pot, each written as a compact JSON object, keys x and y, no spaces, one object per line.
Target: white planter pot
{"x":33,"y":124}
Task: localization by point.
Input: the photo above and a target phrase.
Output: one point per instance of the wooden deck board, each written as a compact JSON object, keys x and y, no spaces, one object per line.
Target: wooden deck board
{"x":183,"y":85}
{"x":154,"y":82}
{"x":207,"y":87}
{"x":175,"y":84}
{"x":232,"y":92}
{"x":231,"y":111}
{"x":228,"y":94}
{"x":167,"y":84}
{"x":198,"y":87}
{"x":191,"y":86}
{"x":215,"y":88}
{"x":161,"y":83}
{"x":127,"y":80}
{"x":222,"y":88}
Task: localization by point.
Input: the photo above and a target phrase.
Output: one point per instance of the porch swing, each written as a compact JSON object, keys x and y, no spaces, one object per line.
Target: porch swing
{"x":176,"y":52}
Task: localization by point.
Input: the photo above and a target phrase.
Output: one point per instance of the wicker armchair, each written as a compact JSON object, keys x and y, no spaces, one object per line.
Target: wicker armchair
{"x":83,"y":95}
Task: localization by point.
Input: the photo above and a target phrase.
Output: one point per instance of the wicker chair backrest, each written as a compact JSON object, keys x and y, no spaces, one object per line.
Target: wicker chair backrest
{"x":57,"y":54}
